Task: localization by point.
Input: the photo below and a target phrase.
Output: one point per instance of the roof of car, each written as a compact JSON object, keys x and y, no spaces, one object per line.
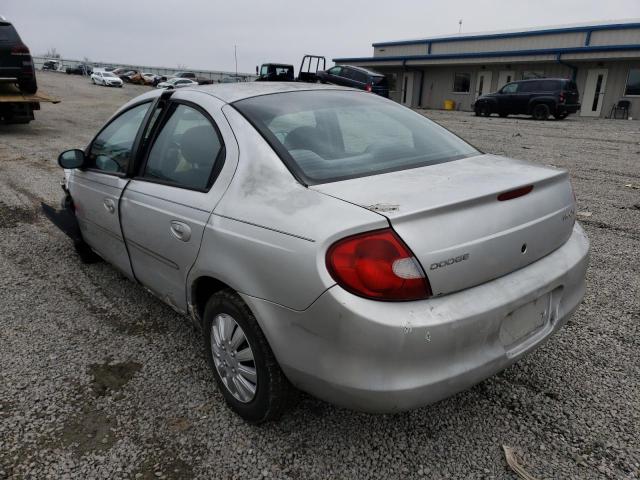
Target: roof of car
{"x":538,"y":79}
{"x":365,"y":70}
{"x":232,"y":92}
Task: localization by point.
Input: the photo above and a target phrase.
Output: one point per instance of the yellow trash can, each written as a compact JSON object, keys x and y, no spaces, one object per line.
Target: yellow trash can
{"x":449,"y":105}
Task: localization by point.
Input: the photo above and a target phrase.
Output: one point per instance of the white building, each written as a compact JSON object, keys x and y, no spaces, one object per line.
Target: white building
{"x":603,"y":59}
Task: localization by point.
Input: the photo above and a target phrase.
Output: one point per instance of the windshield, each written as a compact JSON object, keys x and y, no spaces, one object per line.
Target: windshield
{"x":330,"y":135}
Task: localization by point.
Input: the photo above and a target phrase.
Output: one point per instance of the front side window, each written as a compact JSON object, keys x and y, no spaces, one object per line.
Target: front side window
{"x":510,"y":88}
{"x":331,"y":135}
{"x":633,"y":82}
{"x":185,"y":151}
{"x":111,"y":149}
{"x":335,"y":71}
{"x":461,"y":82}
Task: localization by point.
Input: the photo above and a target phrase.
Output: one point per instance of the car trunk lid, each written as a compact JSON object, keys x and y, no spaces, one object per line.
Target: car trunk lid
{"x":450,"y":215}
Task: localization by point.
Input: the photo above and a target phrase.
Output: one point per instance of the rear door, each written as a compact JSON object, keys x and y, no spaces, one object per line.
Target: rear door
{"x":523,"y":95}
{"x":96,"y":190}
{"x":166,"y":206}
{"x":572,"y":97}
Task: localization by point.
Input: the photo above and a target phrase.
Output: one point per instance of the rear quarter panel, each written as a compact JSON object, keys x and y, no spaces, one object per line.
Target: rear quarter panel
{"x":268,"y":235}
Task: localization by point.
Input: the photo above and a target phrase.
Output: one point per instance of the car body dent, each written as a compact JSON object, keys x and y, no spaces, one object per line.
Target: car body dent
{"x":271,"y":227}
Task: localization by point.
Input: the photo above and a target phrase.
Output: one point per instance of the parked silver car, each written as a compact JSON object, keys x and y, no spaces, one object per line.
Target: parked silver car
{"x":329,"y":239}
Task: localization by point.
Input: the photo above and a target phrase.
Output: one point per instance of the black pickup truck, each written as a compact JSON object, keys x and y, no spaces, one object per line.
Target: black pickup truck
{"x":539,"y":98}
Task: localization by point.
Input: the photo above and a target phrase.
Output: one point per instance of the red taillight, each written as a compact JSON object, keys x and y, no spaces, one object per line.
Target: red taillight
{"x":377,"y":265}
{"x":518,"y":192}
{"x":562,"y":97}
{"x":369,"y":87}
{"x":20,"y":49}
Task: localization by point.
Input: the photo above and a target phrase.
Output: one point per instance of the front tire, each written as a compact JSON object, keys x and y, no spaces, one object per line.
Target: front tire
{"x":483,"y":109}
{"x":244,"y":367}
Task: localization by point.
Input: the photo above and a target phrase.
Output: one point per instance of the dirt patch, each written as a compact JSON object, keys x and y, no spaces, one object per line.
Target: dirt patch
{"x":13,"y":215}
{"x":169,"y":467}
{"x":91,"y":431}
{"x":111,"y":378}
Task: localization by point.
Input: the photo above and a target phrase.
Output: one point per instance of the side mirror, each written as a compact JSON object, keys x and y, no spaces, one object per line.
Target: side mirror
{"x":71,"y":159}
{"x":257,"y":70}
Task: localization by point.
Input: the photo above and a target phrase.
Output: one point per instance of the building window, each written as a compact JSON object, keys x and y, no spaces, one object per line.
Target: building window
{"x":530,"y":74}
{"x":461,"y":83}
{"x":633,"y":83}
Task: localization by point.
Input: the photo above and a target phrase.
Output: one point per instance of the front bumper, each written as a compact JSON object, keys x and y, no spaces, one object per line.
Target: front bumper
{"x":386,"y":357}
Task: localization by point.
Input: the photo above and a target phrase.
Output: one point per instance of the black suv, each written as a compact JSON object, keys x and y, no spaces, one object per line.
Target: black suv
{"x":540,"y":98}
{"x":356,"y":77}
{"x":16,"y":64}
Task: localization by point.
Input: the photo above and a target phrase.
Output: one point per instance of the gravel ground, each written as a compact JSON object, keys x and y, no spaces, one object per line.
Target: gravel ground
{"x":100,"y":380}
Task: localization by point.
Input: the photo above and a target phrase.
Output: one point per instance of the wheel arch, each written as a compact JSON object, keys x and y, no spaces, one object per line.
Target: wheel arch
{"x":548,"y":101}
{"x":200,"y":290}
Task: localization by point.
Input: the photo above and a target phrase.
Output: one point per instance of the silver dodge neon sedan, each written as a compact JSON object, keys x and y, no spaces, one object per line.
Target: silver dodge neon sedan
{"x":329,"y":239}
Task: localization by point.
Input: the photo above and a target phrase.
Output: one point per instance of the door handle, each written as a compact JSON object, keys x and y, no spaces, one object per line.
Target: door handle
{"x":180,"y":230}
{"x":109,"y":205}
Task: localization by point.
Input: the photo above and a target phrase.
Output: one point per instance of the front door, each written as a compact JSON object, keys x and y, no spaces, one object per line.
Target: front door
{"x":407,"y":89}
{"x":505,"y":76}
{"x":166,"y":207}
{"x":96,"y":190}
{"x":594,"y":92}
{"x":483,"y":83}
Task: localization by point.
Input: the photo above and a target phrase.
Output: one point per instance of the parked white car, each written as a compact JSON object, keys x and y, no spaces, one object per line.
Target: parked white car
{"x":107,"y":79}
{"x":177,"y":83}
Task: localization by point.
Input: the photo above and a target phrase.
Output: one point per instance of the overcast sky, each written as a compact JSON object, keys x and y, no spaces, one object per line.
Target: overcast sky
{"x":202,"y":33}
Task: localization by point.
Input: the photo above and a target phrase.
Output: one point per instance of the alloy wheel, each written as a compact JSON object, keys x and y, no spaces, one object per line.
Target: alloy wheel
{"x":233,"y":358}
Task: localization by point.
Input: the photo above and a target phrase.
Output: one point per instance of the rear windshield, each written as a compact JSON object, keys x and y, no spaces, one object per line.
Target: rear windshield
{"x":329,"y":135}
{"x":8,"y":33}
{"x":571,"y":86}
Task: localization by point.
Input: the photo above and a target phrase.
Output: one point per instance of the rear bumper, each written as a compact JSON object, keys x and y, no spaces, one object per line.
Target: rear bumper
{"x":386,"y":357}
{"x":571,"y":108}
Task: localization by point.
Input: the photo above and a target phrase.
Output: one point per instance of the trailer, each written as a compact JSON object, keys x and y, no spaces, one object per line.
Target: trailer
{"x":17,"y":106}
{"x":283,"y":72}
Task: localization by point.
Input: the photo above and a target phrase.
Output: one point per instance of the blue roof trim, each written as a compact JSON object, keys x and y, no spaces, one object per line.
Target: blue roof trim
{"x":489,"y":36}
{"x":505,"y":53}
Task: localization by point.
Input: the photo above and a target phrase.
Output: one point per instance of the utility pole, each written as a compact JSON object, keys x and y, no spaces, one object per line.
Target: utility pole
{"x":460,"y":26}
{"x":235,"y":54}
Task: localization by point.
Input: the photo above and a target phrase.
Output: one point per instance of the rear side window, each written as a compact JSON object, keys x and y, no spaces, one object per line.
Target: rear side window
{"x":380,"y":81}
{"x":334,"y":135}
{"x":359,"y":76}
{"x":549,"y":85}
{"x":528,"y":87}
{"x":185,"y":151}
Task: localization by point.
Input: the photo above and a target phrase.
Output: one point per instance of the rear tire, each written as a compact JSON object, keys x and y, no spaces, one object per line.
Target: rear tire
{"x":272,"y":393}
{"x":503,"y":115}
{"x":561,"y":116}
{"x":541,"y":112}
